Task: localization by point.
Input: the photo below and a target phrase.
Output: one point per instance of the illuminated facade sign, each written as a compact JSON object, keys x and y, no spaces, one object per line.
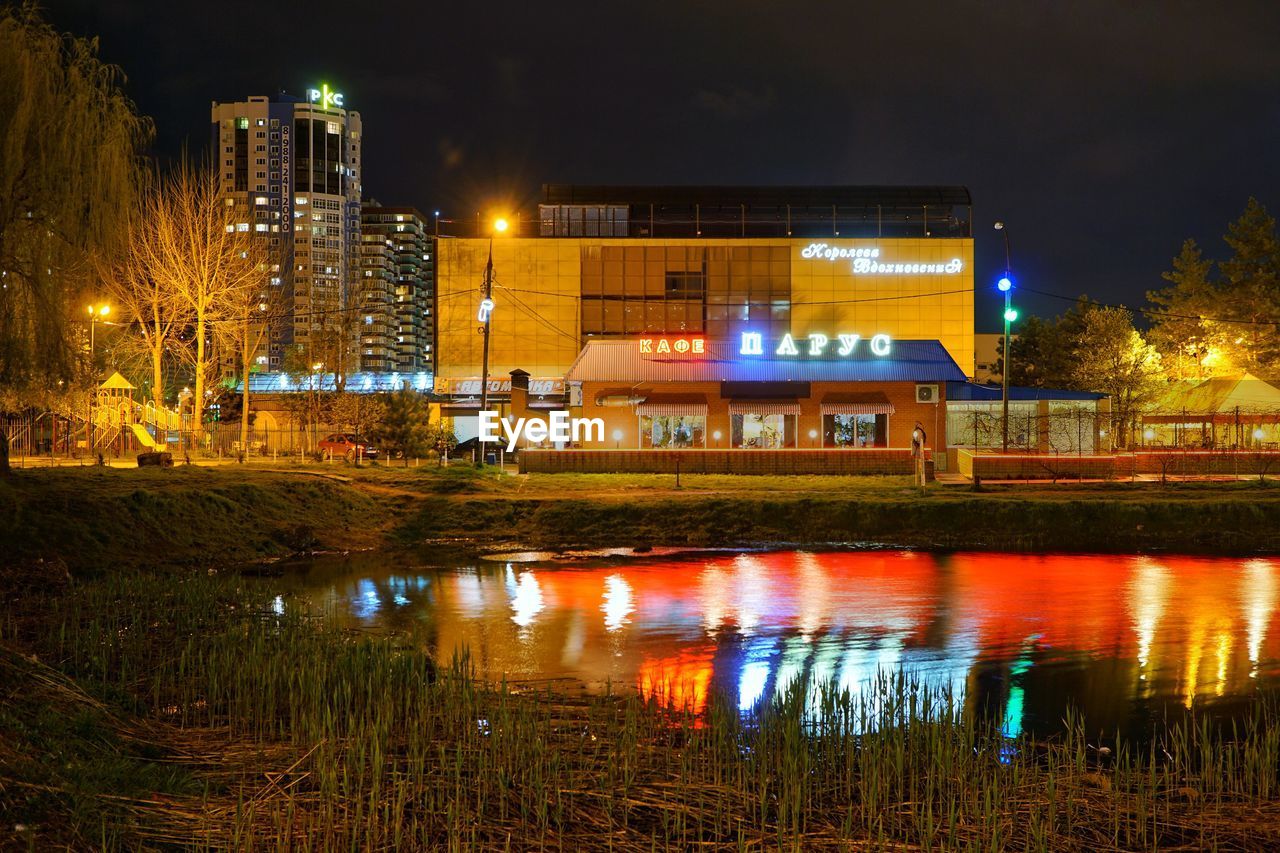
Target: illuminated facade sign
{"x":470,"y":387}
{"x":815,"y":344}
{"x":866,"y":261}
{"x":326,"y":97}
{"x":286,"y":177}
{"x":673,"y":346}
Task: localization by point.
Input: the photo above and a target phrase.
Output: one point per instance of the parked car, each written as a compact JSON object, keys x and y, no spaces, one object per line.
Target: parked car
{"x":347,"y":445}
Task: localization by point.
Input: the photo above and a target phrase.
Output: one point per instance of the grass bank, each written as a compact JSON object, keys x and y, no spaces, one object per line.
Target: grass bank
{"x":180,"y":709}
{"x":89,"y":519}
{"x":743,"y":511}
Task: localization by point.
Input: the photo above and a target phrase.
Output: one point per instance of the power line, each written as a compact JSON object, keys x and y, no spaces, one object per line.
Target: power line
{"x":1150,"y":312}
{"x":538,"y":317}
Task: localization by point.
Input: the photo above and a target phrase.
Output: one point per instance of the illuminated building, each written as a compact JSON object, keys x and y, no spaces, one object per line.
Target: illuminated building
{"x":378,"y":312}
{"x":291,"y":167}
{"x":853,"y":303}
{"x":401,"y":248}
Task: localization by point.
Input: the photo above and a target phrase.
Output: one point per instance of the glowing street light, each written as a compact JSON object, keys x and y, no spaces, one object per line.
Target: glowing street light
{"x":96,"y":313}
{"x":1010,"y":314}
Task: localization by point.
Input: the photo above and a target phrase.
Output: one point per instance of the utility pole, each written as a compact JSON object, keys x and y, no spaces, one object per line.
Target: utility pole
{"x":485,"y":316}
{"x":1006,"y":287}
{"x":95,"y":312}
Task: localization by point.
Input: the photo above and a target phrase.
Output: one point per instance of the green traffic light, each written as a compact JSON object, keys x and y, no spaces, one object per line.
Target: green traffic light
{"x":1010,"y":314}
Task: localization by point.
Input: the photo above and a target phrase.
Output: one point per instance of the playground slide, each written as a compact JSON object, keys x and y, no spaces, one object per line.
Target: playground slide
{"x":144,"y":438}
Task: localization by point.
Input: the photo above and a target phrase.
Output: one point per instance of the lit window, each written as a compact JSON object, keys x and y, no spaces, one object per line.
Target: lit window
{"x":331,"y":126}
{"x":368,"y":320}
{"x":242,"y":226}
{"x":231,"y":229}
{"x":262,"y":199}
{"x":229,"y":202}
{"x":399,"y":218}
{"x":261,"y":122}
{"x":242,"y":122}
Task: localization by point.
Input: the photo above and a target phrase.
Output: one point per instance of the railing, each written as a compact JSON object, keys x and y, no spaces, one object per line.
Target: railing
{"x":849,"y":461}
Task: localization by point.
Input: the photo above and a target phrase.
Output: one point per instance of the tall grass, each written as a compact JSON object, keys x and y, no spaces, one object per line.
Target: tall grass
{"x":307,"y":737}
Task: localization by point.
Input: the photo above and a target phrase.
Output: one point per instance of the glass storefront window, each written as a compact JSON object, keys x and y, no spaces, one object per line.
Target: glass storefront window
{"x":854,"y":430}
{"x":672,"y":431}
{"x":763,"y":432}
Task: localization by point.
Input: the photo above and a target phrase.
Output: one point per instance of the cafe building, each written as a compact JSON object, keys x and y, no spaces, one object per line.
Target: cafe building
{"x":698,"y":394}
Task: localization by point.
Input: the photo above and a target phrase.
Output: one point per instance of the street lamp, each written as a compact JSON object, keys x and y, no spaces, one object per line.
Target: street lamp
{"x":485,"y":316}
{"x":1005,"y":284}
{"x":96,"y":313}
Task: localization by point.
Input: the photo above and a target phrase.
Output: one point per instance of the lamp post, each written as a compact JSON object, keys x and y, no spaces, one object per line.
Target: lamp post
{"x":485,"y":316}
{"x":96,"y":312}
{"x":1010,"y":314}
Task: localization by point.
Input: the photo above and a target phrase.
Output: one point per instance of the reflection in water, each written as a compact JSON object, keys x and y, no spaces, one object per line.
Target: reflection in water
{"x":617,"y":602}
{"x":1258,"y":594}
{"x":526,"y":602}
{"x":1021,"y":635}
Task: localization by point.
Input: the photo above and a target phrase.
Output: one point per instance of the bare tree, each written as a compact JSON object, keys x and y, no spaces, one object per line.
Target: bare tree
{"x":70,"y":143}
{"x":252,"y":312}
{"x":203,"y":254}
{"x":147,"y":301}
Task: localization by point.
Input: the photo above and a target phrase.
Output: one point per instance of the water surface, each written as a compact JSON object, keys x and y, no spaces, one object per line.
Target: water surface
{"x":1126,"y":640}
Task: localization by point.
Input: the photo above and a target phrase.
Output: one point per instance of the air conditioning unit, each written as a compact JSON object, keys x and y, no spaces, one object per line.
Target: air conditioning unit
{"x":926,"y":393}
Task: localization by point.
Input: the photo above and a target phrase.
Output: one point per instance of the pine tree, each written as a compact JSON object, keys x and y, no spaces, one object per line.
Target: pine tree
{"x":1251,"y":287}
{"x":1189,"y":344}
{"x":404,"y":427}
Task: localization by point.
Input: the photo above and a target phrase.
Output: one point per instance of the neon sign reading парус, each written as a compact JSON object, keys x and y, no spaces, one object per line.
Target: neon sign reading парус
{"x":815,"y":344}
{"x":866,"y":261}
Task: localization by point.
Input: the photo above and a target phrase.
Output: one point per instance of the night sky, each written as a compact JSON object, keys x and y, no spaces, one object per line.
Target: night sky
{"x":1103,"y":133}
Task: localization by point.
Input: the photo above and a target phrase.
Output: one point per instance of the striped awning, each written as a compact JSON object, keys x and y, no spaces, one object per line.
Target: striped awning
{"x":863,"y":403}
{"x":682,"y":405}
{"x":764,"y":407}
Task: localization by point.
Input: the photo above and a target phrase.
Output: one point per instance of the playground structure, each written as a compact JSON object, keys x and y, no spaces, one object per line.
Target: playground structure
{"x":116,"y":423}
